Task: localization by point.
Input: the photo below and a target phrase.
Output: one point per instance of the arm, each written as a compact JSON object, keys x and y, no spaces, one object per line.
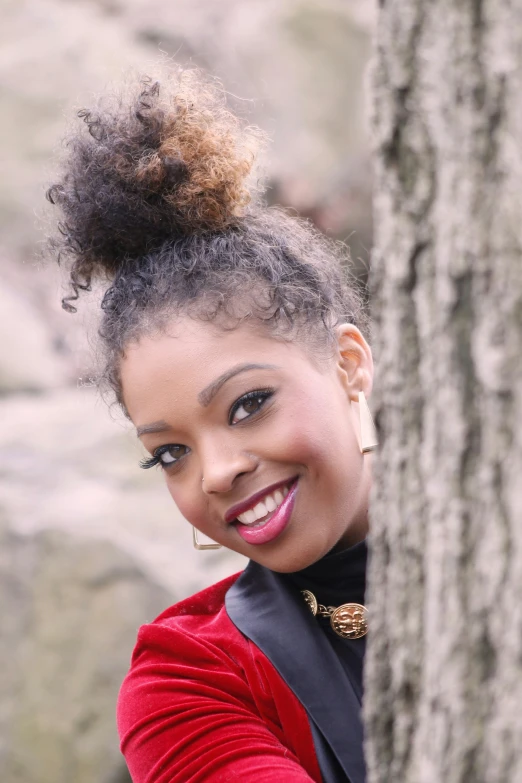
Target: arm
{"x":186,"y":714}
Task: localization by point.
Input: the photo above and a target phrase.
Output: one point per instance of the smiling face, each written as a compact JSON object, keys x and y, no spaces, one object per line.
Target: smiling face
{"x":246,"y":425}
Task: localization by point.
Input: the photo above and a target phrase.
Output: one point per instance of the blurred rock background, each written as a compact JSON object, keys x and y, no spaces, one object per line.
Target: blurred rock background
{"x":91,"y":547}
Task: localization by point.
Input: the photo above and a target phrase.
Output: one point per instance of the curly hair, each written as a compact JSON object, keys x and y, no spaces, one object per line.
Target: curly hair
{"x":160,"y":198}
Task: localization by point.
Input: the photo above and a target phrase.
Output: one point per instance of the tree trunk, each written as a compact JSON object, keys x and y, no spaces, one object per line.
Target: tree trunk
{"x":444,"y":665}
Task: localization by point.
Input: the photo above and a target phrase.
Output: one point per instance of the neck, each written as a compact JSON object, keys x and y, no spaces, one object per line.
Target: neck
{"x":339,"y":577}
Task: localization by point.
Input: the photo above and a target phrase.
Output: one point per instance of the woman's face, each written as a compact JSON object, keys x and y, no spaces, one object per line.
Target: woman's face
{"x":258,"y":440}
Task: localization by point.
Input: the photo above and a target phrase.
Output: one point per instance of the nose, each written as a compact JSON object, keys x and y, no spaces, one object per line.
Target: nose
{"x":221,"y":468}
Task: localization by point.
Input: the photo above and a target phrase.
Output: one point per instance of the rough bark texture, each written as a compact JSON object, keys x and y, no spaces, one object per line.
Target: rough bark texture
{"x":444,"y":667}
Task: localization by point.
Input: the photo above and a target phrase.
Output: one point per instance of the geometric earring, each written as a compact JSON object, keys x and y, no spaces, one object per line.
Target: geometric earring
{"x":369,"y":440}
{"x":197,"y":545}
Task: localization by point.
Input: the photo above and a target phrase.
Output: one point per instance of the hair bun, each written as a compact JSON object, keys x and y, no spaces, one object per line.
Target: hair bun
{"x":166,"y":161}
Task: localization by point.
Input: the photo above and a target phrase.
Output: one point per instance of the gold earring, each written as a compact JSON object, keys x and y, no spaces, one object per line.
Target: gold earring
{"x":369,"y":441}
{"x":199,"y":546}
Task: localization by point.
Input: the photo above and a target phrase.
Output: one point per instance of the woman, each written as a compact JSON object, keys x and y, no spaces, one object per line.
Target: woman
{"x":236,"y":348}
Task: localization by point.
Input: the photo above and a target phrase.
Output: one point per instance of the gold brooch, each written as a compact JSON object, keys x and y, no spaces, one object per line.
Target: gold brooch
{"x":350,"y":621}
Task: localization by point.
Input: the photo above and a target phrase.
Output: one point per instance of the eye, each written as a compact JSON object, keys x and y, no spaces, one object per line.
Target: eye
{"x":248,"y":405}
{"x":166,"y":456}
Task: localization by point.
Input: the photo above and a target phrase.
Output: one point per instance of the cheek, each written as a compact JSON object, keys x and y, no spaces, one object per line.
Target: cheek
{"x":313,"y":433}
{"x":190,"y":503}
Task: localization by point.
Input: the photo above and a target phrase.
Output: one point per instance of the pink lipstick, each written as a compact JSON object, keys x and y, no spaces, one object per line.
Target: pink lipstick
{"x":274,"y":523}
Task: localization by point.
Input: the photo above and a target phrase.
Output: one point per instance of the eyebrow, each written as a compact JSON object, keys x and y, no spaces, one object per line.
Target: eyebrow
{"x":148,"y":429}
{"x":206,"y":396}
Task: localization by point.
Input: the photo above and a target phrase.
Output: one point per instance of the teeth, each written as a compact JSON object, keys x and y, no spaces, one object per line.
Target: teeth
{"x":270,"y":504}
{"x":266,"y":506}
{"x":249,"y":517}
{"x":260,"y":510}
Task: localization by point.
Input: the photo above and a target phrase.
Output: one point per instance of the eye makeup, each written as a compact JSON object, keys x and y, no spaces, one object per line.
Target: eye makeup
{"x":257,"y":396}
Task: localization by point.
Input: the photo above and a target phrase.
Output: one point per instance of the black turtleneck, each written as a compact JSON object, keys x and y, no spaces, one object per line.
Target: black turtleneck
{"x":339,"y":578}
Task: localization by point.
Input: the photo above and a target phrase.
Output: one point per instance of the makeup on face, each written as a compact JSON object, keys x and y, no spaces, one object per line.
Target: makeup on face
{"x":271,"y":432}
{"x":266,"y":514}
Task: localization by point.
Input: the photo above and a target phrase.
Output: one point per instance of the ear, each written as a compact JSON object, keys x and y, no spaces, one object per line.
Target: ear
{"x":354,"y":361}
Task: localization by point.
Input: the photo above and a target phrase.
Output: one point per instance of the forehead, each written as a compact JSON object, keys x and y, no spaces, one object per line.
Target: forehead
{"x":178,"y":362}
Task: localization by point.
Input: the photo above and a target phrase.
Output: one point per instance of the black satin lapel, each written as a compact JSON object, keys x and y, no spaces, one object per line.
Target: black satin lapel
{"x":266,"y":611}
{"x":331,"y":770}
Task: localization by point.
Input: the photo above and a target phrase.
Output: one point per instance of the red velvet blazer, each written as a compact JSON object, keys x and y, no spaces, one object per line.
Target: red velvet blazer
{"x":238,"y":683}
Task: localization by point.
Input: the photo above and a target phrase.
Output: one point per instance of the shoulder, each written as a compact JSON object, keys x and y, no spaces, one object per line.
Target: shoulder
{"x":191,"y":654}
{"x":194,"y":624}
{"x":205,"y":603}
{"x":200,"y":702}
{"x":193,"y":641}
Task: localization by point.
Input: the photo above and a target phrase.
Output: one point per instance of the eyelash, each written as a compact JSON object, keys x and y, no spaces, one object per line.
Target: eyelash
{"x":151,"y":462}
{"x":258,"y":394}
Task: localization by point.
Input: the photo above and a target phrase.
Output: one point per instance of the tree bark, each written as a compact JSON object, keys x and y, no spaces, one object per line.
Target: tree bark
{"x":444,"y":667}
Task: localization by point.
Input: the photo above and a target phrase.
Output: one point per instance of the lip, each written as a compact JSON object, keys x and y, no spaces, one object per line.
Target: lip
{"x":233,"y":512}
{"x":275,"y":524}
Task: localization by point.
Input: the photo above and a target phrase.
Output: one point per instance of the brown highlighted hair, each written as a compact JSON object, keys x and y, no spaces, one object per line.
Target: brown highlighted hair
{"x":159,"y":197}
